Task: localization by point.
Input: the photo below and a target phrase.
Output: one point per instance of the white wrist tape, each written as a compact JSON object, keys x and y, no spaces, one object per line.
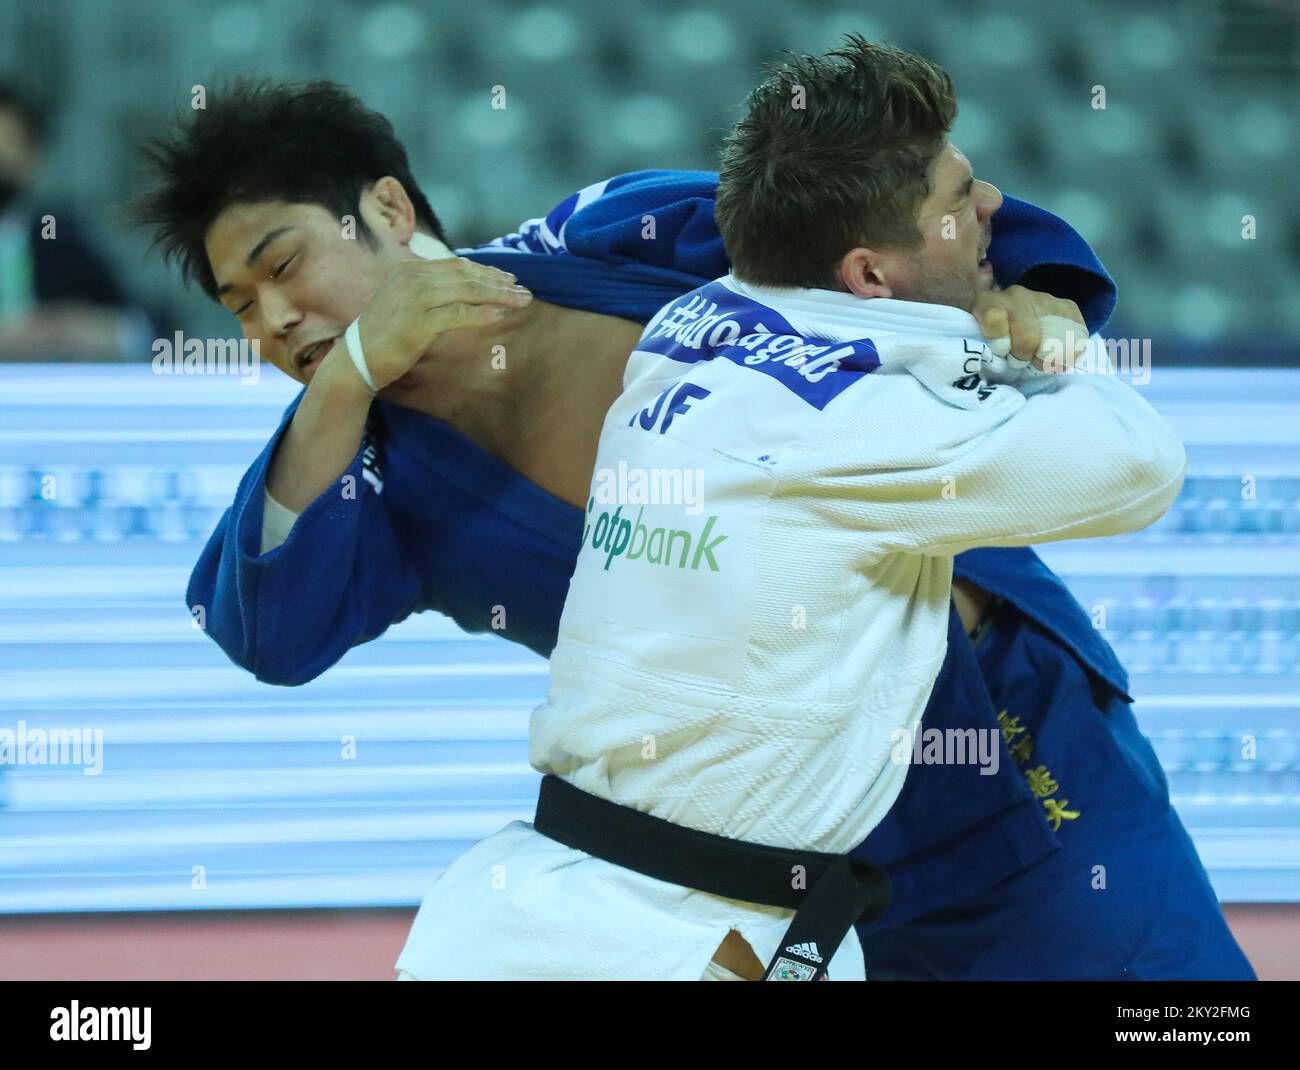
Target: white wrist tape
{"x":1062,"y":341}
{"x":352,"y":339}
{"x":426,"y":248}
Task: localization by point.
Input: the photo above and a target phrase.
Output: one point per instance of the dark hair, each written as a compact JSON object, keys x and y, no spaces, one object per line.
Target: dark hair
{"x":34,"y":118}
{"x":801,"y":186}
{"x":259,"y":140}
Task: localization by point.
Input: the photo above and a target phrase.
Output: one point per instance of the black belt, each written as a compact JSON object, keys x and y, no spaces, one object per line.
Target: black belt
{"x":827,"y":892}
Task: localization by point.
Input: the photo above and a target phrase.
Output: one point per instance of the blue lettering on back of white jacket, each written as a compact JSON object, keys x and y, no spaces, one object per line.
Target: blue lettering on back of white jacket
{"x":715,"y":321}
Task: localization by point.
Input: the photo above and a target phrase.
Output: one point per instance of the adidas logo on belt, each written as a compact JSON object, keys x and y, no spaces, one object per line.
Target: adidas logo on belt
{"x":808,"y":952}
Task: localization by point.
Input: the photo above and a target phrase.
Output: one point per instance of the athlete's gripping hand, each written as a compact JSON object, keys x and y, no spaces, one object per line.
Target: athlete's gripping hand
{"x":1032,"y":326}
{"x":423,"y":299}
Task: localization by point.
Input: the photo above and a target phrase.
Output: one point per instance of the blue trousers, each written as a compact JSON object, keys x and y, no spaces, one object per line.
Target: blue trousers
{"x":1123,"y":897}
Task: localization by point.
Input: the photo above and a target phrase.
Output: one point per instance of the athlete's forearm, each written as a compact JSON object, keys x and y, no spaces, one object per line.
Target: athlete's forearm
{"x":324,"y":435}
{"x":341,"y":577}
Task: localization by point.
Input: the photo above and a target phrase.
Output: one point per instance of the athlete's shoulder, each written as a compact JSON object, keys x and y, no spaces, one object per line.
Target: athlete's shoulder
{"x":659,"y":217}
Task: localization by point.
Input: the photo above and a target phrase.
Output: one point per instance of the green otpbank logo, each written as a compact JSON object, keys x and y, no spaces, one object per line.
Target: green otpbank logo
{"x":617,"y":536}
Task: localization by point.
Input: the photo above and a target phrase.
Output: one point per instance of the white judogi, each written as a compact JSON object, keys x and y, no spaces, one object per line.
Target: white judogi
{"x":743,"y":664}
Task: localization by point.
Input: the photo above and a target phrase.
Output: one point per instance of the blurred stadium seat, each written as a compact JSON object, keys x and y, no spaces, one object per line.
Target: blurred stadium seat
{"x":1200,"y":107}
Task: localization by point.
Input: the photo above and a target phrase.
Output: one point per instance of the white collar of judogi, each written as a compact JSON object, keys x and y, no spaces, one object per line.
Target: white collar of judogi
{"x":845,"y":316}
{"x":422,"y":245}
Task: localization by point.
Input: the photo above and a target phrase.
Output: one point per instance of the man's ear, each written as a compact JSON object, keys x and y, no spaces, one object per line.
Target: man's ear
{"x":862,"y":273}
{"x":394,"y":207}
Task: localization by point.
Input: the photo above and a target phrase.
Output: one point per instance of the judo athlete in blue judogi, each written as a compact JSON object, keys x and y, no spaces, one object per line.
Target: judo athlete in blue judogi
{"x":1067,"y":863}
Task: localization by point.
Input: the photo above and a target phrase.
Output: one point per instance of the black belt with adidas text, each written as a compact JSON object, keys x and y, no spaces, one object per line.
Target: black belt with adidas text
{"x":827,"y":892}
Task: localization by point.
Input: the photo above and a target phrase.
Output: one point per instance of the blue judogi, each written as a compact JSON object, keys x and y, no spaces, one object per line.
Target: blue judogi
{"x":441,"y":524}
{"x":1089,"y":782}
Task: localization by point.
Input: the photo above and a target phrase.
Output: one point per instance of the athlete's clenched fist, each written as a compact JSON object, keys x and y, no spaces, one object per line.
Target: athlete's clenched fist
{"x":1030,"y":325}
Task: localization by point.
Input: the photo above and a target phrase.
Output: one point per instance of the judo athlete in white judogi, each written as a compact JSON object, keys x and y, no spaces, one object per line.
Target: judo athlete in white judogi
{"x":740,"y":663}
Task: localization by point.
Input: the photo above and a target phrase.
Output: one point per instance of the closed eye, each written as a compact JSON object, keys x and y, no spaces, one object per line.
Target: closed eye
{"x":275,"y":275}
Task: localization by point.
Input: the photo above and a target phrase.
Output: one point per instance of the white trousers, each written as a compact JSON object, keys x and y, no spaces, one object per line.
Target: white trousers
{"x":712,"y":972}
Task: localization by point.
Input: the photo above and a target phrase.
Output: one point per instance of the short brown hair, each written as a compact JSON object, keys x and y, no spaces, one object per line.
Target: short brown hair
{"x":801,"y":186}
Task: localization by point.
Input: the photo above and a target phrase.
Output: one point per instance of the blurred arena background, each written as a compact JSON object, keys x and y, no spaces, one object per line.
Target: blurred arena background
{"x":313,"y":863}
